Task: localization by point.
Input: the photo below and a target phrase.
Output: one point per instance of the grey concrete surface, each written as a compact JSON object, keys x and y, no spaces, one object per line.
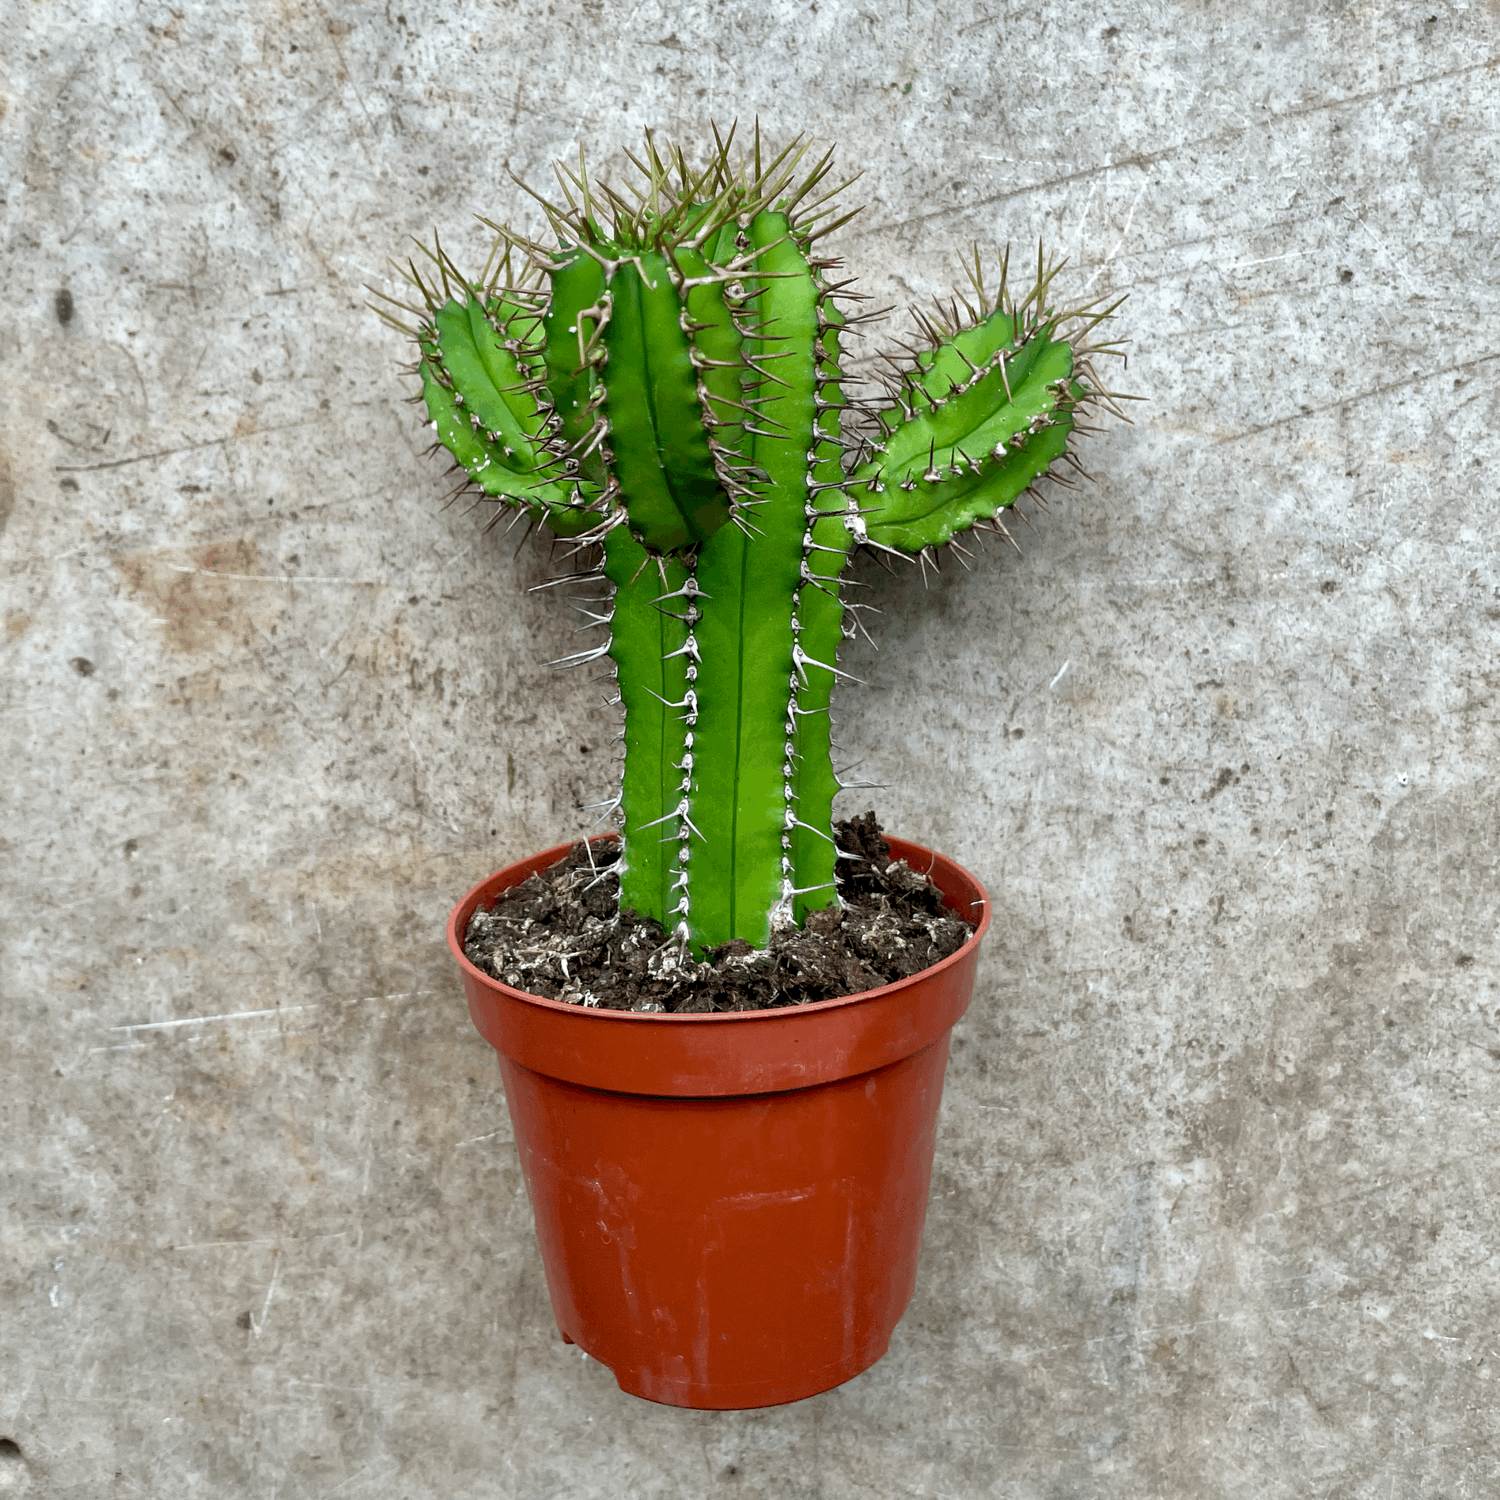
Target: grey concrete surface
{"x":1214,"y":1212}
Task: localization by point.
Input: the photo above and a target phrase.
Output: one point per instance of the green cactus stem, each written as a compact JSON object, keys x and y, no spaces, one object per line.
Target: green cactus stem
{"x":663,"y":379}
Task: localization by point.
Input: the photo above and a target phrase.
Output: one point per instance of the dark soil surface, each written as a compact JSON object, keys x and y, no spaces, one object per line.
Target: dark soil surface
{"x":560,"y":935}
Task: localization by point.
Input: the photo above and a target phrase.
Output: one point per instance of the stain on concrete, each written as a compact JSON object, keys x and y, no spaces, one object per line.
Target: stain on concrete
{"x":207,"y":600}
{"x":7,"y":496}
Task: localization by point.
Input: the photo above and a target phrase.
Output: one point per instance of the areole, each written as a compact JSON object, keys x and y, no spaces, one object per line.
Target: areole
{"x":729,"y":1207}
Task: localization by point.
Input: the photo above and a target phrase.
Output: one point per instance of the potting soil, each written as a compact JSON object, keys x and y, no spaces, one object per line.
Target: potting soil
{"x":561,"y":935}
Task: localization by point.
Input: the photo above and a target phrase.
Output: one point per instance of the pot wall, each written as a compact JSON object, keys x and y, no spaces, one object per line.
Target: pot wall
{"x":731,"y":1252}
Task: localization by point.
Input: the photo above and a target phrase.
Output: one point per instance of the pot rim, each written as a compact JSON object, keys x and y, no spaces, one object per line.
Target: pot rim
{"x":900,"y":849}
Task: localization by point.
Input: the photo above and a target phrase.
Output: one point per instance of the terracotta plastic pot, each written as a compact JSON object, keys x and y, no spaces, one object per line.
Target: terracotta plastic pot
{"x":729,"y":1207}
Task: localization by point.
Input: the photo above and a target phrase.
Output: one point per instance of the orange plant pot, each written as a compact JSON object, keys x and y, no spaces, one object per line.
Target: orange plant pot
{"x":729,"y":1207}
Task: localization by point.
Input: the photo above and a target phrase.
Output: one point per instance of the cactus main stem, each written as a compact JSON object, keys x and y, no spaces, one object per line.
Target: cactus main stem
{"x":744,"y":796}
{"x":749,"y":649}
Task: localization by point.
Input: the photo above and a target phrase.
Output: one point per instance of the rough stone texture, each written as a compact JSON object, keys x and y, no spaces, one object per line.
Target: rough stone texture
{"x":1214,"y":1209}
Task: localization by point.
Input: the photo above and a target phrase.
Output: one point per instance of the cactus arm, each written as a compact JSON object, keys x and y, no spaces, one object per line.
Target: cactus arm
{"x":647,"y":637}
{"x":957,"y":503}
{"x":977,"y":436}
{"x":659,"y":445}
{"x":717,"y":348}
{"x":981,"y":409}
{"x":496,"y":389}
{"x":745,"y":638}
{"x":570,"y":327}
{"x":478,"y":397}
{"x":480,"y":458}
{"x":949,"y":368}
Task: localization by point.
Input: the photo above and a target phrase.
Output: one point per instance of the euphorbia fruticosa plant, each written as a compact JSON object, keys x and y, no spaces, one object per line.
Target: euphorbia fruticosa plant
{"x":663,"y":382}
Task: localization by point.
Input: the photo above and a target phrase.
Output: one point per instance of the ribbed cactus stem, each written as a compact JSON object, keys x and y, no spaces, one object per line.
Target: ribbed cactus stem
{"x":672,"y":390}
{"x":651,"y":636}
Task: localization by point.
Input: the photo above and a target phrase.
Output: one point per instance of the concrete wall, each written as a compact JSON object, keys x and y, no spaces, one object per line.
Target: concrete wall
{"x":1214,"y":1209}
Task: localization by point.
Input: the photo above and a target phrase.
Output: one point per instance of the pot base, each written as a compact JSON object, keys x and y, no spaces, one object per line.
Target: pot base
{"x":744,"y":1397}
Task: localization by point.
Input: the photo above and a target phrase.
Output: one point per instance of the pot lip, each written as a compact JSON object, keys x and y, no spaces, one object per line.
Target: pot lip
{"x":470,"y":900}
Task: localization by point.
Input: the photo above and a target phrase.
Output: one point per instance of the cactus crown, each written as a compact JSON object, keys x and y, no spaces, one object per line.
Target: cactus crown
{"x":662,"y":382}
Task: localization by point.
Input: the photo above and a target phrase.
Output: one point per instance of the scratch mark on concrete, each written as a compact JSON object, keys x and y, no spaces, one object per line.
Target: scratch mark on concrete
{"x":338,"y":52}
{"x":1265,"y":260}
{"x":345,"y":1482}
{"x":131,"y":1028}
{"x":366,"y":583}
{"x":281,"y":1239}
{"x":1119,"y":244}
{"x":223,"y":1244}
{"x":144,"y":458}
{"x":258,"y":1325}
{"x":421,"y":766}
{"x":232,"y":1015}
{"x":394,"y":995}
{"x":1371,"y":394}
{"x":1144,"y":159}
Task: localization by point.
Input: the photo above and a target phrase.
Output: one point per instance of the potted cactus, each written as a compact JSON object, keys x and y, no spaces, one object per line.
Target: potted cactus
{"x":730,"y":1205}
